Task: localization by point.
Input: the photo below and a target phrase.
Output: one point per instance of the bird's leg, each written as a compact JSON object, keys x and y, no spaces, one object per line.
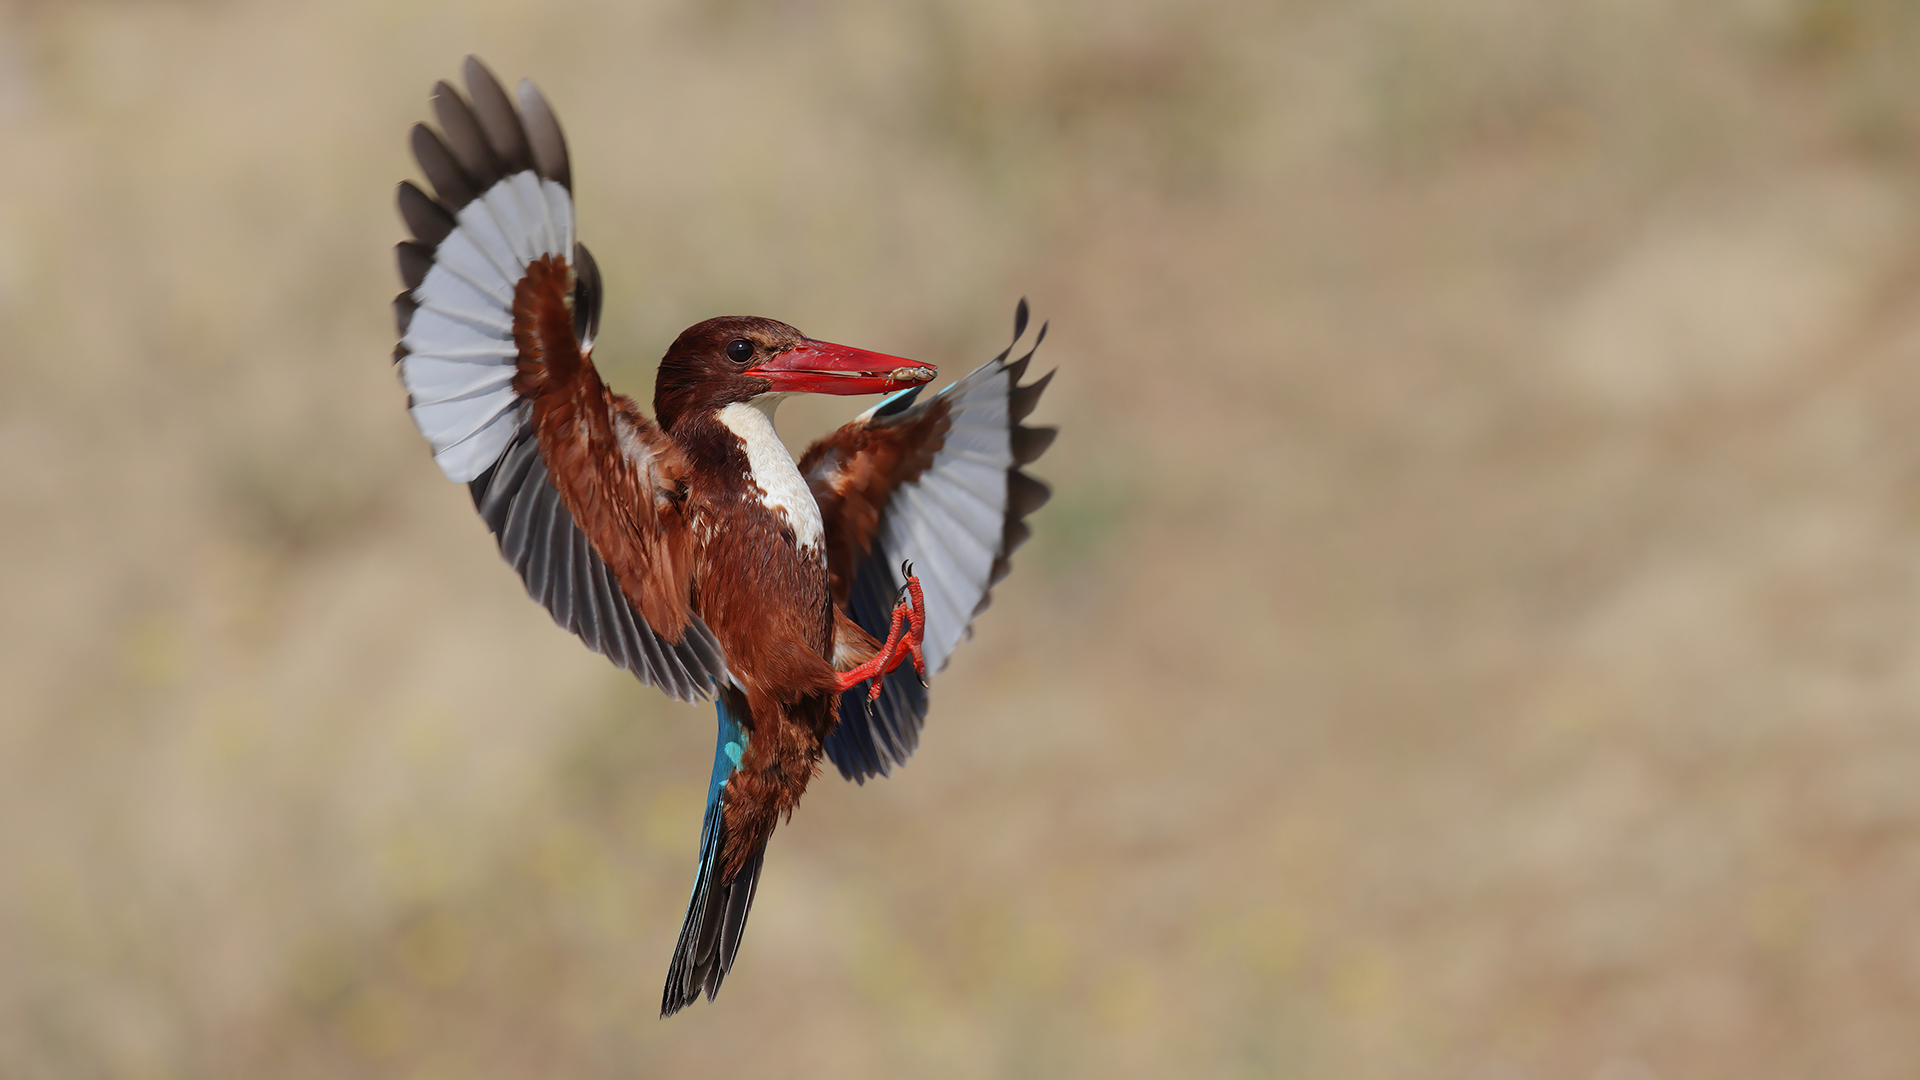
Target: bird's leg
{"x":906,"y":635}
{"x":916,"y":639}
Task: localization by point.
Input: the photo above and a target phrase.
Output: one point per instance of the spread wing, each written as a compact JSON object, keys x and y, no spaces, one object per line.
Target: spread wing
{"x":938,"y":483}
{"x":581,"y":491}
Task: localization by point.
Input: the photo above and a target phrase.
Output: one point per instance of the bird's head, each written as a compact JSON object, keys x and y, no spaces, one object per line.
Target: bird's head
{"x":738,"y":358}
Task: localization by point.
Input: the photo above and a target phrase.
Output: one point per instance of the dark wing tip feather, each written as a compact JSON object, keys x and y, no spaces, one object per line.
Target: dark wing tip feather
{"x":1016,"y":536}
{"x":451,"y":184}
{"x":403,"y":309}
{"x":414,"y":259}
{"x":427,"y":220}
{"x":1019,"y":366}
{"x":1026,"y":444}
{"x":1029,"y":443}
{"x":1002,"y":566}
{"x":548,"y":142}
{"x":1022,"y":399}
{"x":1019,"y":327}
{"x":1025,"y":494}
{"x":586,"y":296}
{"x":464,"y":137}
{"x":497,"y":117}
{"x":1012,"y":538}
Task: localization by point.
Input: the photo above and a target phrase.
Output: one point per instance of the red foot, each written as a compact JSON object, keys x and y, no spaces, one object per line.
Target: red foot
{"x":904,"y":638}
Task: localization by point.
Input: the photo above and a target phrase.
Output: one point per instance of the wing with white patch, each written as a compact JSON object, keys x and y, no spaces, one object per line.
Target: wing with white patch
{"x":503,"y":185}
{"x":937,"y":483}
{"x":502,"y":214}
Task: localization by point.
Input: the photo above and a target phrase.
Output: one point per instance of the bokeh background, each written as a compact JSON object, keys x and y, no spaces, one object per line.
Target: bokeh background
{"x":1476,"y":632}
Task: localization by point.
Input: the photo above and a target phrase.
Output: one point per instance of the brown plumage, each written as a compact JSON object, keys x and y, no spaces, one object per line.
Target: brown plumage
{"x":630,"y":504}
{"x":674,"y":510}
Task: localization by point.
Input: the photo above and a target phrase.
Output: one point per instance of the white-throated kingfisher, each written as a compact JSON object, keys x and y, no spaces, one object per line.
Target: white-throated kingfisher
{"x":810,"y":601}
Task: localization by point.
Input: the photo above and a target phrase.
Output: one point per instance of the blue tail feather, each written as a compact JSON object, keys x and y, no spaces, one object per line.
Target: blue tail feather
{"x":717,"y":910}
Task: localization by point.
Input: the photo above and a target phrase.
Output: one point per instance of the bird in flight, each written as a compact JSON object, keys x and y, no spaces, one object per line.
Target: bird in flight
{"x":809,"y":600}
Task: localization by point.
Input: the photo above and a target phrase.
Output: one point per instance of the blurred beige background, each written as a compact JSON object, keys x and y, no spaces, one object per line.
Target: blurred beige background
{"x":1476,"y":633}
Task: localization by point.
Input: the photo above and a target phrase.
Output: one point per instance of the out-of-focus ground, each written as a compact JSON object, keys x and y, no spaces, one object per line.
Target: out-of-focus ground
{"x":1476,"y":632}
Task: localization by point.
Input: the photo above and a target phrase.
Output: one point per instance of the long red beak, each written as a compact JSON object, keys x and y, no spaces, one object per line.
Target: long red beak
{"x":821,"y":367}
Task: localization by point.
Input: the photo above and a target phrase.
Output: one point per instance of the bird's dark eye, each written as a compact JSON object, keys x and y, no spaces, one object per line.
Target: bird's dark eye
{"x":740,"y":350}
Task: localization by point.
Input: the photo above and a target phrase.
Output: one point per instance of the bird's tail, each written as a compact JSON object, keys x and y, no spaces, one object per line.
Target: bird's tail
{"x":717,"y":912}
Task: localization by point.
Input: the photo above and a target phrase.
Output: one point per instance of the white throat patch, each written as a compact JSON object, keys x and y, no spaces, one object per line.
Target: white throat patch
{"x":771,"y":469}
